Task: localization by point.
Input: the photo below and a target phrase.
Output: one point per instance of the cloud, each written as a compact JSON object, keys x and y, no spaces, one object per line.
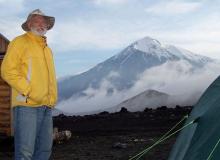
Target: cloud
{"x":11,"y":7}
{"x":9,"y":17}
{"x":106,"y":32}
{"x":174,"y":7}
{"x":177,"y":78}
{"x":96,"y":100}
{"x":174,"y":78}
{"x":200,"y":37}
{"x":114,"y":2}
{"x":84,"y":26}
{"x":11,"y":27}
{"x":87,"y":35}
{"x":12,"y":3}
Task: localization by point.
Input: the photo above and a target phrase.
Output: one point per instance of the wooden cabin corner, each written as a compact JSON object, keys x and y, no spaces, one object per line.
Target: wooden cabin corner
{"x":6,"y":128}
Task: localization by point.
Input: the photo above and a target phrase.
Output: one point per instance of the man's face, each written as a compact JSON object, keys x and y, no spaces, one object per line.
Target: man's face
{"x":38,"y":24}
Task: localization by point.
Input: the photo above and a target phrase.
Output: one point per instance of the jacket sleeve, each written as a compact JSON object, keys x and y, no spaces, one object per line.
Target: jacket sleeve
{"x":11,"y":68}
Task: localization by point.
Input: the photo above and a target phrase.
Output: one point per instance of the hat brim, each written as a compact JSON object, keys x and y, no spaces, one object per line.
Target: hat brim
{"x":50,"y":22}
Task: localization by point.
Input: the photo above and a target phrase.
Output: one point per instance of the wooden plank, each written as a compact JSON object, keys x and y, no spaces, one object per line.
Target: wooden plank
{"x":5,"y":112}
{"x":5,"y":115}
{"x":3,"y":45}
{"x":5,"y":106}
{"x":5,"y":121}
{"x":5,"y":92}
{"x":4,"y":87}
{"x":4,"y":96}
{"x":4,"y":130}
{"x":5,"y":118}
{"x":4,"y":101}
{"x":5,"y":125}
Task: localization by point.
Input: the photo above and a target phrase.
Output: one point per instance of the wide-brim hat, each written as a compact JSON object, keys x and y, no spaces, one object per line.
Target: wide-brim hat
{"x":49,"y":20}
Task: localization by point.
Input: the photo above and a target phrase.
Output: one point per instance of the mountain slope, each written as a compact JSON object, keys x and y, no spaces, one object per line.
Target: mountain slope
{"x":123,"y":70}
{"x":148,"y":98}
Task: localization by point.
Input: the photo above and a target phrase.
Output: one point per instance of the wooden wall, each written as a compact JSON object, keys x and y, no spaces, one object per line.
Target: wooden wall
{"x":5,"y":96}
{"x":5,"y":107}
{"x":3,"y":43}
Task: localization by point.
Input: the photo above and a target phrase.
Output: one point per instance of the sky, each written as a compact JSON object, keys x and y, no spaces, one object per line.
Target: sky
{"x":87,"y":32}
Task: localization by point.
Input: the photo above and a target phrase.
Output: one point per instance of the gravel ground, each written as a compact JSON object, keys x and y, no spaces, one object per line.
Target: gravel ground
{"x":117,"y":136}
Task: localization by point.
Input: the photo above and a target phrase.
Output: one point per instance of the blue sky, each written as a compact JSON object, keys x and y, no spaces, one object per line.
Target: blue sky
{"x":88,"y":32}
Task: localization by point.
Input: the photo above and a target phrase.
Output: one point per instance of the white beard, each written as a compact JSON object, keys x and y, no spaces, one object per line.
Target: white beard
{"x":39,"y":33}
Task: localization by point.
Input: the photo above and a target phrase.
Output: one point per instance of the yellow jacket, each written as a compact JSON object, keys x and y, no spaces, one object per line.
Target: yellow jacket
{"x":28,"y":68}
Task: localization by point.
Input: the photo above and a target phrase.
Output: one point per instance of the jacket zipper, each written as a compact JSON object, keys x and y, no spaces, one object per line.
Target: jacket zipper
{"x":48,"y":74}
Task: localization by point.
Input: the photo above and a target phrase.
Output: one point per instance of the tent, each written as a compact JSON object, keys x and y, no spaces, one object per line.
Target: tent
{"x":201,"y":139}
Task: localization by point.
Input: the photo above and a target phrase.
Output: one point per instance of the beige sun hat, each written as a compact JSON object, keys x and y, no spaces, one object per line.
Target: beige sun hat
{"x":50,"y":20}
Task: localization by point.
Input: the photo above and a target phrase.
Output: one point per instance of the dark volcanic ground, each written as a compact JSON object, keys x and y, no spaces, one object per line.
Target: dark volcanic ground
{"x":116,"y":136}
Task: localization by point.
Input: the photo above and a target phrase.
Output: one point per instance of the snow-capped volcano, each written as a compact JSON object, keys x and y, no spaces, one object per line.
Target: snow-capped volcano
{"x":119,"y":75}
{"x":153,"y":47}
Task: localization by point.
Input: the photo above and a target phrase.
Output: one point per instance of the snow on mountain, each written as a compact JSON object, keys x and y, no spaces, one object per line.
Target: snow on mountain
{"x":151,"y":46}
{"x":154,"y":47}
{"x":143,"y":65}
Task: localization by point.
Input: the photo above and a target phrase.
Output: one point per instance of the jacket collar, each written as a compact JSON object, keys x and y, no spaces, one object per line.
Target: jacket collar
{"x":41,"y":40}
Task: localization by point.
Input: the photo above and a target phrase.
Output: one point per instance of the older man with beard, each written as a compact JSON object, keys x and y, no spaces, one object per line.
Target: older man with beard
{"x":29,"y":69}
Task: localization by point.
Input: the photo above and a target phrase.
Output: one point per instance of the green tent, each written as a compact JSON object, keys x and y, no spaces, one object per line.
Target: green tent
{"x":200,"y":140}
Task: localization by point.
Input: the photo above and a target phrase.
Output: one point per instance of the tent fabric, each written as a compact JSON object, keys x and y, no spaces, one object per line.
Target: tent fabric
{"x":197,"y":141}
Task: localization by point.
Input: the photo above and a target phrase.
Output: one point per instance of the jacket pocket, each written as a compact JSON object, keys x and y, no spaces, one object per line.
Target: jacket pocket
{"x":35,"y":97}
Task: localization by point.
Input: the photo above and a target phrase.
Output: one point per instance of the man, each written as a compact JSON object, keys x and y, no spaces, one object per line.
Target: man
{"x":29,"y":69}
